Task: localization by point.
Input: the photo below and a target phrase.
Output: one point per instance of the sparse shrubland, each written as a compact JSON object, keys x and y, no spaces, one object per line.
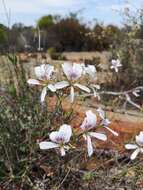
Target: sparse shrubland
{"x":57,"y":127}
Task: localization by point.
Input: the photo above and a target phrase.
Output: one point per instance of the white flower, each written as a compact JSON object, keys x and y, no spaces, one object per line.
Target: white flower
{"x":59,"y":139}
{"x":115,"y":64}
{"x":43,"y":74}
{"x":89,"y":123}
{"x":73,"y":72}
{"x":105,"y":122}
{"x":90,"y":70}
{"x":138,"y":147}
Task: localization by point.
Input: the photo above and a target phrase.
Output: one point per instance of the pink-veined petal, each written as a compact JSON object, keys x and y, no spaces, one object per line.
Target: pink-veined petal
{"x":77,"y":69}
{"x":52,"y":87}
{"x":67,"y":131}
{"x":44,"y":71}
{"x":99,"y":136}
{"x":34,"y":82}
{"x":47,"y":145}
{"x":112,"y":131}
{"x":43,"y":94}
{"x":62,"y":84}
{"x":89,"y":121}
{"x":54,"y":135}
{"x":82,"y":87}
{"x":134,"y":154}
{"x":72,"y":70}
{"x":63,"y":135}
{"x":131,"y":146}
{"x":72,"y":95}
{"x":67,"y":66}
{"x":89,"y":146}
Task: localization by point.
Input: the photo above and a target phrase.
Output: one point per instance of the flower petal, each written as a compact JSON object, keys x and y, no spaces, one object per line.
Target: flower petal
{"x":72,"y":70}
{"x":63,"y":153}
{"x":34,"y":82}
{"x":51,"y":87}
{"x":39,"y":72}
{"x":115,"y":64}
{"x":77,"y":69}
{"x":44,"y":71}
{"x":62,"y":84}
{"x":101,"y":113}
{"x":82,"y":87}
{"x":47,"y":145}
{"x":135,"y":153}
{"x":139,"y":139}
{"x":112,"y":131}
{"x":72,"y":94}
{"x":67,"y":131}
{"x":131,"y":146}
{"x":63,"y":135}
{"x":67,"y":66}
{"x":43,"y":94}
{"x":105,"y":122}
{"x":89,"y":146}
{"x":49,"y":69}
{"x":99,"y":136}
{"x":91,"y":70}
{"x":54,"y":136}
{"x":89,"y":121}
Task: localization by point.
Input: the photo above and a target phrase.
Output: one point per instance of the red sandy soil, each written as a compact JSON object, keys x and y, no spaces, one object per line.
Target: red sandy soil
{"x":126,"y":126}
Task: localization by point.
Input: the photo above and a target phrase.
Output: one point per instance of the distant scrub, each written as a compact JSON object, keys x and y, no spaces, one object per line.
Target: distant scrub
{"x":63,"y":34}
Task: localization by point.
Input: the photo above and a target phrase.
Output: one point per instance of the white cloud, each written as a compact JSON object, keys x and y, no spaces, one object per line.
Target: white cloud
{"x":38,"y":6}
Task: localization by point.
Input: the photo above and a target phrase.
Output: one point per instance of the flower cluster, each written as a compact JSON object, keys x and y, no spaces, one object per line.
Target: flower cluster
{"x":60,"y":139}
{"x":72,"y":73}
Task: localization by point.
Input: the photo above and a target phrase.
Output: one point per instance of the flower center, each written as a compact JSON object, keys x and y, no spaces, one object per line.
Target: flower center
{"x":72,"y":75}
{"x":60,"y":139}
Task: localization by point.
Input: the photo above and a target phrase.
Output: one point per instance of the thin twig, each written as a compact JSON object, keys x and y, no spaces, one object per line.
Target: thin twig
{"x":64,"y":179}
{"x":114,"y":93}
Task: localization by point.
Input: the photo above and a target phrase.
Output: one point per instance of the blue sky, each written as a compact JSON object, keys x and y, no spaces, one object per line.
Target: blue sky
{"x":28,"y":11}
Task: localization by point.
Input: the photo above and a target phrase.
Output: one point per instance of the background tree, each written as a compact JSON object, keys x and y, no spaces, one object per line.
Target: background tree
{"x":3,"y":37}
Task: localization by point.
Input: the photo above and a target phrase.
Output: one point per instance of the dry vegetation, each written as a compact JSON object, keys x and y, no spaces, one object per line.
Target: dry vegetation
{"x":24,"y":121}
